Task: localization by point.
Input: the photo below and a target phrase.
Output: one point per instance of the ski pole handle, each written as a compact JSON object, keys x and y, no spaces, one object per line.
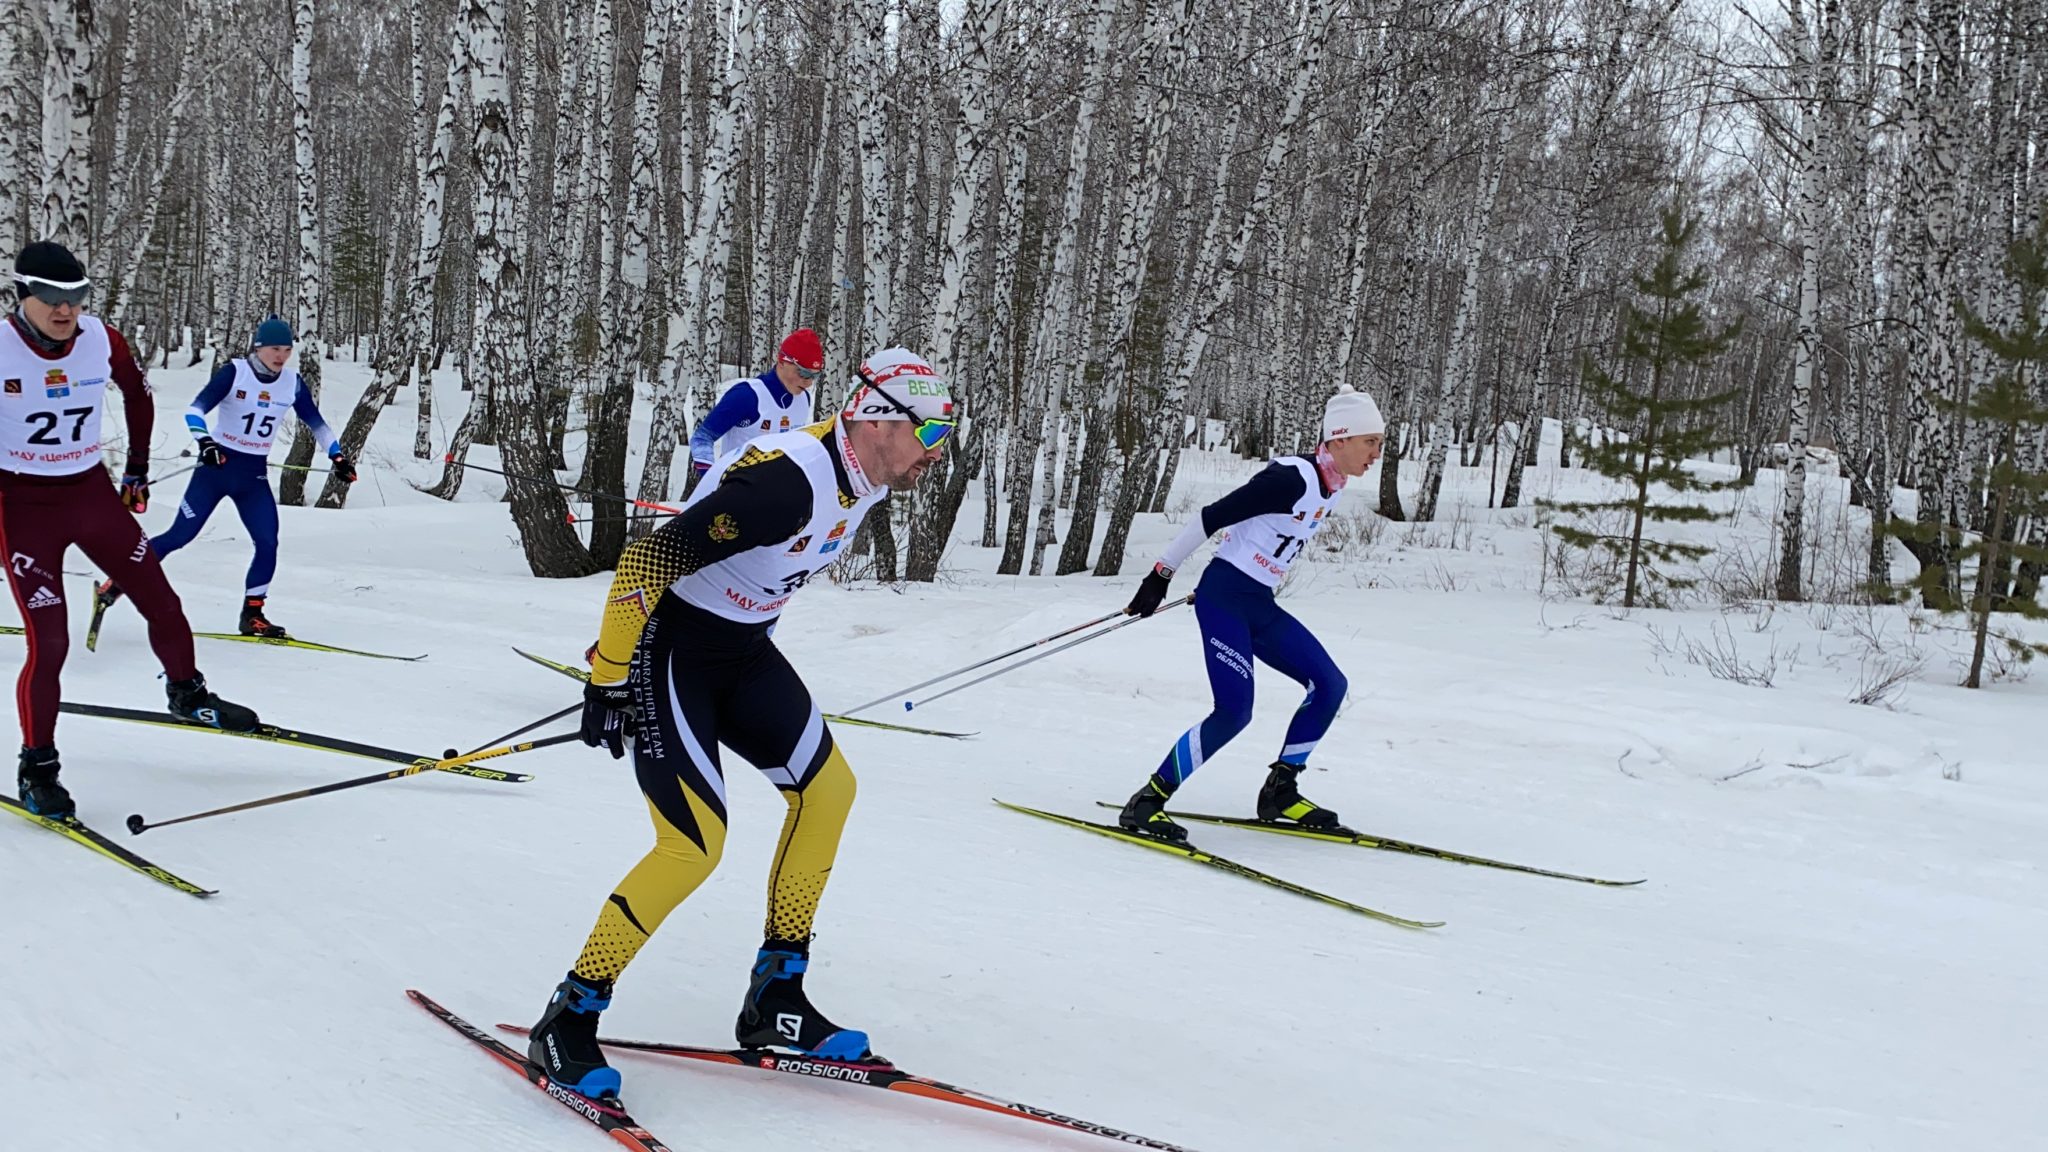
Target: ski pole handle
{"x":1020,"y":649}
{"x":1004,"y":671}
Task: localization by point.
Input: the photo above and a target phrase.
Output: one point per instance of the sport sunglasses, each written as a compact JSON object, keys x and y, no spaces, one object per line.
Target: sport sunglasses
{"x":56,"y":293}
{"x":803,"y":372}
{"x":930,"y":433}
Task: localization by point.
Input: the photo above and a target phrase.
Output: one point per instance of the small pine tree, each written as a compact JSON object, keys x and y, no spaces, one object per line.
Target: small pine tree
{"x":2009,"y":409}
{"x":1663,"y":331}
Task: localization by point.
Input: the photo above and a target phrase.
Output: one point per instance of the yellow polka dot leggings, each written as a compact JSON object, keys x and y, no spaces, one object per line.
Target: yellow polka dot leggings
{"x":700,"y":681}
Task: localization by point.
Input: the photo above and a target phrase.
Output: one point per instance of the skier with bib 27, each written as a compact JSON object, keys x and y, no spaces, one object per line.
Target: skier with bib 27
{"x":1270,"y":521}
{"x":56,"y":363}
{"x":249,"y":397}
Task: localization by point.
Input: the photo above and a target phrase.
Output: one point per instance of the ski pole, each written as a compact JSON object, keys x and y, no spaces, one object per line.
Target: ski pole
{"x":301,"y":468}
{"x":907,"y":705}
{"x":450,"y":459}
{"x":548,"y":719}
{"x":137,"y":825}
{"x":573,"y":518}
{"x":1022,"y":648}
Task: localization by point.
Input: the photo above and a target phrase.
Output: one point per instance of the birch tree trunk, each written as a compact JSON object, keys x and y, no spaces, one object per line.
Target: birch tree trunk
{"x":793,"y":298}
{"x":980,"y":21}
{"x":455,"y":83}
{"x":1053,"y":334}
{"x":640,"y":328}
{"x":1004,"y":357}
{"x":1166,"y":39}
{"x":1221,"y":278}
{"x":66,"y":198}
{"x":1569,"y":254}
{"x":1458,"y":364}
{"x":196,"y":23}
{"x":412,"y":312}
{"x":1812,"y":59}
{"x":877,"y":289}
{"x":697,"y":351}
{"x":291,"y":487}
{"x":13,"y":129}
{"x":498,"y":351}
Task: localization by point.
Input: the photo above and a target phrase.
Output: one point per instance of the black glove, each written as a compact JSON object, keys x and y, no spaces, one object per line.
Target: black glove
{"x":135,"y":492}
{"x":344,"y":468}
{"x":211,"y":453}
{"x":1150,"y":592}
{"x":608,"y":717}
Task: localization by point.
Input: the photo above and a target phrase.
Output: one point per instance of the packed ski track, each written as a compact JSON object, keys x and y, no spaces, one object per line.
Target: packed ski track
{"x":1837,"y":946}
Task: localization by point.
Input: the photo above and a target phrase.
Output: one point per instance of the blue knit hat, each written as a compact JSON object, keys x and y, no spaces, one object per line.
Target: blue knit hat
{"x":273,"y":332}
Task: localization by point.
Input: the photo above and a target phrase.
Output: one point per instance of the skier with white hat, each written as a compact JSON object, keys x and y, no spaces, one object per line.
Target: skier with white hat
{"x":1270,"y":520}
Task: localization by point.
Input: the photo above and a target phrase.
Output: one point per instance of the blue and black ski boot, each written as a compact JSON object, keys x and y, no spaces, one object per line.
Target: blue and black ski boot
{"x":192,"y":700}
{"x":777,"y":1014}
{"x":37,"y":781}
{"x":564,"y":1043}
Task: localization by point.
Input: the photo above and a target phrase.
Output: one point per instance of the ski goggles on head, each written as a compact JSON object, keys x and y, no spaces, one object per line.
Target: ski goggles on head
{"x":55,"y":293}
{"x":803,"y":372}
{"x":930,"y":432}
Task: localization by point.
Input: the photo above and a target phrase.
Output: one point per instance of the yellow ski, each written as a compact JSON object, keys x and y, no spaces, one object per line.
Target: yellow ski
{"x":1190,"y":852}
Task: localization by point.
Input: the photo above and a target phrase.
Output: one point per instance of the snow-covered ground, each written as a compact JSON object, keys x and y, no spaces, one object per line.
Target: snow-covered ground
{"x":1838,"y":946}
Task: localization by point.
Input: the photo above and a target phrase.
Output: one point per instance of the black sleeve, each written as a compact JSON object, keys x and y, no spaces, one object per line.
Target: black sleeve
{"x":1277,"y":488}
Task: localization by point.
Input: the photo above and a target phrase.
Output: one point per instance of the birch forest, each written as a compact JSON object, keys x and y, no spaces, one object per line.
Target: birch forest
{"x":1108,"y":222}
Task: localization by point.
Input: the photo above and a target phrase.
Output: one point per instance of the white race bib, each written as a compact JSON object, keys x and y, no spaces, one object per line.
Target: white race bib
{"x":756,"y":584}
{"x":50,"y":409}
{"x":248,"y":417}
{"x":1264,"y":547}
{"x":771,"y":418}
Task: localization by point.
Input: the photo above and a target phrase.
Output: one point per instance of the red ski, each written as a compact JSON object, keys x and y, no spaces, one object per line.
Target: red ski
{"x":877,"y":1075}
{"x":609,"y":1118}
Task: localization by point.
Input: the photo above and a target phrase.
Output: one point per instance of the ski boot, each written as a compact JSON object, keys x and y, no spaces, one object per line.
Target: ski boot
{"x":1280,"y":800}
{"x":254,"y":623}
{"x":564,"y":1043}
{"x":191,"y":700}
{"x":777,"y":1014}
{"x":37,"y":781}
{"x":1145,"y":814}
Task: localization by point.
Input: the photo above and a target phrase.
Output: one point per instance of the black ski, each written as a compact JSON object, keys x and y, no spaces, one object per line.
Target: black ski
{"x":876,"y":1074}
{"x":1190,"y":852}
{"x":608,"y":1118}
{"x":276,"y":735}
{"x":76,"y":832}
{"x":582,"y":676}
{"x":1384,"y":843}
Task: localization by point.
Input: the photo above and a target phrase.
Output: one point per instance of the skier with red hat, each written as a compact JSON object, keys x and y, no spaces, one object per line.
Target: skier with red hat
{"x":775,"y":401}
{"x":56,"y":363}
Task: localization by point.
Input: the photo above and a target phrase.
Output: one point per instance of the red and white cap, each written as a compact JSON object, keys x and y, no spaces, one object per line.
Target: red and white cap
{"x":803,"y":349}
{"x":904,"y":380}
{"x":1351,"y":413}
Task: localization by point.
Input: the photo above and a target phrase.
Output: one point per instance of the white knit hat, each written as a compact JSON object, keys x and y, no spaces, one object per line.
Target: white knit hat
{"x":1351,"y":413}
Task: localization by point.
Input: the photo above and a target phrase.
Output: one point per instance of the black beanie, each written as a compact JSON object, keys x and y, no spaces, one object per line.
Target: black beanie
{"x":49,"y":260}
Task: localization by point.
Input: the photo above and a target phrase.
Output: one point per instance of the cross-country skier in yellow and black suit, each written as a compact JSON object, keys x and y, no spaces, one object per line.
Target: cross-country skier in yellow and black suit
{"x":685,"y":663}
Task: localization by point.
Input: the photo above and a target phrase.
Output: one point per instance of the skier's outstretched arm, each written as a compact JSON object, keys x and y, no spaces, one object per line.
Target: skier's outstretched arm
{"x":1276,"y":488}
